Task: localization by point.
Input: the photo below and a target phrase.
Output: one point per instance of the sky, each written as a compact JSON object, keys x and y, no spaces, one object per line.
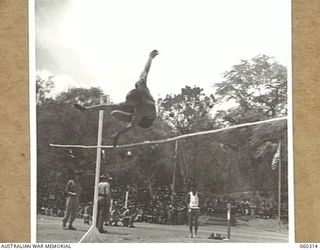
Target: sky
{"x":106,"y":43}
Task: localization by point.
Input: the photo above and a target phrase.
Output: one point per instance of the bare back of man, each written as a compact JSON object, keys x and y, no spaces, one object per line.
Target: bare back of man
{"x":138,"y":109}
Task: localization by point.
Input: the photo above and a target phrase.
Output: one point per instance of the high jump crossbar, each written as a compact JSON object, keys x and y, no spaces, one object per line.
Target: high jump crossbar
{"x":171,"y":139}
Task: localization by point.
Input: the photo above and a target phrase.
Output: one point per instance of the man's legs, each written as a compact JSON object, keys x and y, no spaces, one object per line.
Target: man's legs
{"x":135,"y":120}
{"x":74,"y":208}
{"x":120,"y":106}
{"x":191,"y":223}
{"x":67,"y":213}
{"x":101,"y":215}
{"x":196,"y":222}
{"x":122,"y":116}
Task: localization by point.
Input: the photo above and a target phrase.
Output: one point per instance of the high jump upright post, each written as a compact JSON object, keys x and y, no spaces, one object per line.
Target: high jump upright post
{"x":174,"y":171}
{"x":92,"y":232}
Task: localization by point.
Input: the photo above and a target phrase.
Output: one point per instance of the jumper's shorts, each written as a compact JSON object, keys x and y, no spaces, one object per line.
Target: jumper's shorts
{"x":194,"y":212}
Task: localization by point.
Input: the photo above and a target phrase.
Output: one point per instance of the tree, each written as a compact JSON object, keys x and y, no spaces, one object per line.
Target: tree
{"x":188,"y":111}
{"x":91,"y":96}
{"x":256,"y":89}
{"x":43,"y":89}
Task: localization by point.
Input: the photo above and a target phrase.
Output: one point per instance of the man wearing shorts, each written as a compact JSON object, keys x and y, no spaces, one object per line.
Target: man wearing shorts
{"x":193,"y":210}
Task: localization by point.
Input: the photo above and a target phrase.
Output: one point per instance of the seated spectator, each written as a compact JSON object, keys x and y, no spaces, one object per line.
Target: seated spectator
{"x":87,"y":215}
{"x":264,"y":209}
{"x":128,"y":217}
{"x":140,"y":216}
{"x":115,"y":216}
{"x":273,"y":209}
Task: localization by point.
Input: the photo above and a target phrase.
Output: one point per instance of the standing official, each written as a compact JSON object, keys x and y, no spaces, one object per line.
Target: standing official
{"x":73,"y":192}
{"x":104,"y":199}
{"x":194,"y":211}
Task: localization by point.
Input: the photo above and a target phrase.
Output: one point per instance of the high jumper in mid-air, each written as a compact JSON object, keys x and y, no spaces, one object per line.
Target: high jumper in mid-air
{"x":138,"y":109}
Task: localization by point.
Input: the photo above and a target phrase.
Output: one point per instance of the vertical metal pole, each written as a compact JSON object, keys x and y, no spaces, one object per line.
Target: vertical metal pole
{"x":98,"y":164}
{"x":279,"y":188}
{"x":229,"y":219}
{"x":174,"y":171}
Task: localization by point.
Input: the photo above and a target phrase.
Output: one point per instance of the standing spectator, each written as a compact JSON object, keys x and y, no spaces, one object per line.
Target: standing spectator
{"x":73,"y":192}
{"x":194,"y":211}
{"x":242,"y":206}
{"x":273,"y":209}
{"x":104,"y":198}
{"x":170,"y":215}
{"x":264,"y":209}
{"x":247,"y":207}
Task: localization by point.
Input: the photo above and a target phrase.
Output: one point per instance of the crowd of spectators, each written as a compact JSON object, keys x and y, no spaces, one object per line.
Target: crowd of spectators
{"x":155,"y":206}
{"x":242,"y":207}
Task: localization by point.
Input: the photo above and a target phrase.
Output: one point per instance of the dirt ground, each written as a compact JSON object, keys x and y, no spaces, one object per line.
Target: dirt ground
{"x":49,"y":229}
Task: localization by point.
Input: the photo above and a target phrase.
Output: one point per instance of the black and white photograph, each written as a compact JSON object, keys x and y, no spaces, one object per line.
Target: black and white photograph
{"x":163,"y":121}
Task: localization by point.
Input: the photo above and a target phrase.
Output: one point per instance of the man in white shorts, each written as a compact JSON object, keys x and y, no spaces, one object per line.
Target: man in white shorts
{"x":193,"y":210}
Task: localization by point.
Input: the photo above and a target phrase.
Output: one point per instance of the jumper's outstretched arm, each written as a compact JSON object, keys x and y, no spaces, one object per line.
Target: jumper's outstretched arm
{"x":145,"y":72}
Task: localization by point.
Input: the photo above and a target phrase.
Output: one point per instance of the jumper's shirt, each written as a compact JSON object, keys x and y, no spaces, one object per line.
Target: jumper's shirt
{"x":194,"y":201}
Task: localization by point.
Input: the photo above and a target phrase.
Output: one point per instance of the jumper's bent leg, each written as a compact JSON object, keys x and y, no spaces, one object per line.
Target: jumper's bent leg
{"x":122,"y":116}
{"x":95,"y":107}
{"x":121,"y":106}
{"x":191,"y":224}
{"x":136,"y":119}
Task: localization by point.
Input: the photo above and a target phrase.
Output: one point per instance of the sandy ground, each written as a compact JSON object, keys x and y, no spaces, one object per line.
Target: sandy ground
{"x":49,"y":230}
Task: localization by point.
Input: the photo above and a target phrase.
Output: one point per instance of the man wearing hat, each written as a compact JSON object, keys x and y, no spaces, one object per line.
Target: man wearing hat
{"x":194,"y":210}
{"x":104,"y":199}
{"x":73,"y":192}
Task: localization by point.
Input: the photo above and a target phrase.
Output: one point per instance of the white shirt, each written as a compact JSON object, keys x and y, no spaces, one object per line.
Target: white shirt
{"x":194,"y":200}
